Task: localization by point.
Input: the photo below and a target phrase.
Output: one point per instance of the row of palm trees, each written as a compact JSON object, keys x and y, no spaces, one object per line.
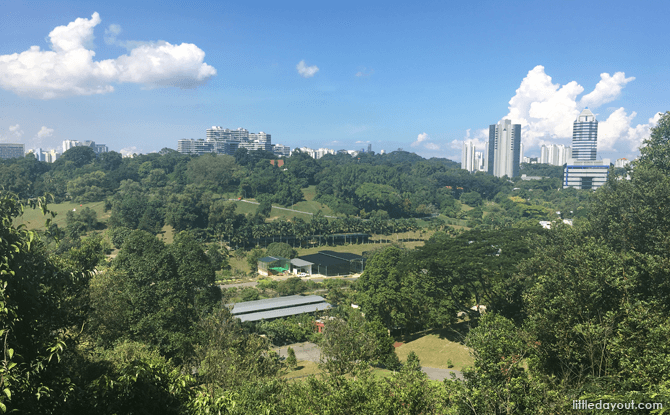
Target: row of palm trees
{"x":319,"y":230}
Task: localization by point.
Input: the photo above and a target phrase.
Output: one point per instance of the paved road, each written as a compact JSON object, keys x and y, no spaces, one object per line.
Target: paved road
{"x":310,"y":352}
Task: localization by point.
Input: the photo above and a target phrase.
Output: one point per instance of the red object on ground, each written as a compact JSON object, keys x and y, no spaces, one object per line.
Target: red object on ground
{"x":397,"y":344}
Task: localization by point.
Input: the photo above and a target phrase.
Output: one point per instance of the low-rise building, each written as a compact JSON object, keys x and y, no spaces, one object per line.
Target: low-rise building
{"x":329,"y":263}
{"x":585,"y":174}
{"x":11,"y":150}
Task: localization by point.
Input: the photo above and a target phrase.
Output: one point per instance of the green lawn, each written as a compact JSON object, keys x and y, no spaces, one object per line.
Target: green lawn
{"x":435,"y":348}
{"x":309,"y":207}
{"x":306,"y":368}
{"x":33,"y":218}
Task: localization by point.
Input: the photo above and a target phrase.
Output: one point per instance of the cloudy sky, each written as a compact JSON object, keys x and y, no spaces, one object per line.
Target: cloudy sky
{"x":419,"y":76}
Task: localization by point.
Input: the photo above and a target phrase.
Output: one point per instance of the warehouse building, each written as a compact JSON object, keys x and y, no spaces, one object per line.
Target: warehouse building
{"x":272,"y":308}
{"x":329,"y":263}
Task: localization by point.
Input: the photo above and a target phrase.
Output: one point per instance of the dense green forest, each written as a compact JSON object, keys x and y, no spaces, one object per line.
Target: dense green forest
{"x":372,"y":194}
{"x":576,"y":312}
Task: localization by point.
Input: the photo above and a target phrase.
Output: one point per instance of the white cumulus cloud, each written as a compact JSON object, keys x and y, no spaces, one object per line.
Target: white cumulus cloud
{"x":45,"y":132}
{"x":112,"y":31}
{"x":479,"y":139}
{"x":69,"y":68}
{"x":420,"y":139}
{"x":16,"y":130}
{"x":306,"y":71}
{"x":617,"y":130}
{"x":607,"y":90}
{"x":364,"y":72}
{"x":546,"y":111}
{"x":424,"y":140}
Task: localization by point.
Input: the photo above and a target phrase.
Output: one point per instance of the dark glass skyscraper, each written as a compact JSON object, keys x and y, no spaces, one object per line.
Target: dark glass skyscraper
{"x":585,"y":136}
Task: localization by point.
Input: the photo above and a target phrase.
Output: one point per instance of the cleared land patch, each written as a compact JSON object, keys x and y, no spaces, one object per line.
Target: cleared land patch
{"x":435,"y":350}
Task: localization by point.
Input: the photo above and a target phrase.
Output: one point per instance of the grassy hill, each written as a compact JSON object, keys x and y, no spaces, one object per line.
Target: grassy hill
{"x":435,"y":349}
{"x":34,"y":220}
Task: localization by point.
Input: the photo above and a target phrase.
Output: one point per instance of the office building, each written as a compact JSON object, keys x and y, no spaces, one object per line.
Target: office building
{"x":585,"y":136}
{"x":504,"y":149}
{"x":585,"y":174}
{"x":9,"y":150}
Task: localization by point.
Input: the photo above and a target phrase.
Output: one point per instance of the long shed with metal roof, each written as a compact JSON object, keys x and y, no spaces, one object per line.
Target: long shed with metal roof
{"x":272,"y":308}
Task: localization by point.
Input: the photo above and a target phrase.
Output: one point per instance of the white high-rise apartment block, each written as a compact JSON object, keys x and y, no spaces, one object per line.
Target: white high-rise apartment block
{"x":308,"y":151}
{"x":68,"y":144}
{"x":468,"y":156}
{"x":555,"y":154}
{"x":98,"y":148}
{"x":504,"y":149}
{"x":480,"y":164}
{"x":51,"y":156}
{"x":225,"y":141}
{"x":281,"y":150}
{"x":622,"y":162}
{"x":472,"y":160}
{"x":317,"y":154}
{"x":323,"y":151}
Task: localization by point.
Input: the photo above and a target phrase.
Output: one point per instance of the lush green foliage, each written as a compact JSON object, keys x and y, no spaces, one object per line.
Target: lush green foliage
{"x":578,"y":312}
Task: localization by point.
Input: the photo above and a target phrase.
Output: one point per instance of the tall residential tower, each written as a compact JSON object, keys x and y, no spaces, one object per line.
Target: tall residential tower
{"x":504,"y":149}
{"x":585,"y":136}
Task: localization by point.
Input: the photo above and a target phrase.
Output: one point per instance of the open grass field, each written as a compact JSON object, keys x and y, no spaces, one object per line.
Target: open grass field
{"x":309,"y":205}
{"x":34,"y":220}
{"x":168,"y":234}
{"x":435,"y":348}
{"x":306,"y":368}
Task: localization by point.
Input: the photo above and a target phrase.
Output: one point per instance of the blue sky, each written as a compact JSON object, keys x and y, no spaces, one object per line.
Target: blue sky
{"x":420,"y":76}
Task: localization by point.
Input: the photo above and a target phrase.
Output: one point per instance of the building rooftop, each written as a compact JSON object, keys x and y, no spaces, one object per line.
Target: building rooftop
{"x":347,"y":256}
{"x":274,"y":303}
{"x":284,"y":312}
{"x":272,"y":259}
{"x":300,"y":262}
